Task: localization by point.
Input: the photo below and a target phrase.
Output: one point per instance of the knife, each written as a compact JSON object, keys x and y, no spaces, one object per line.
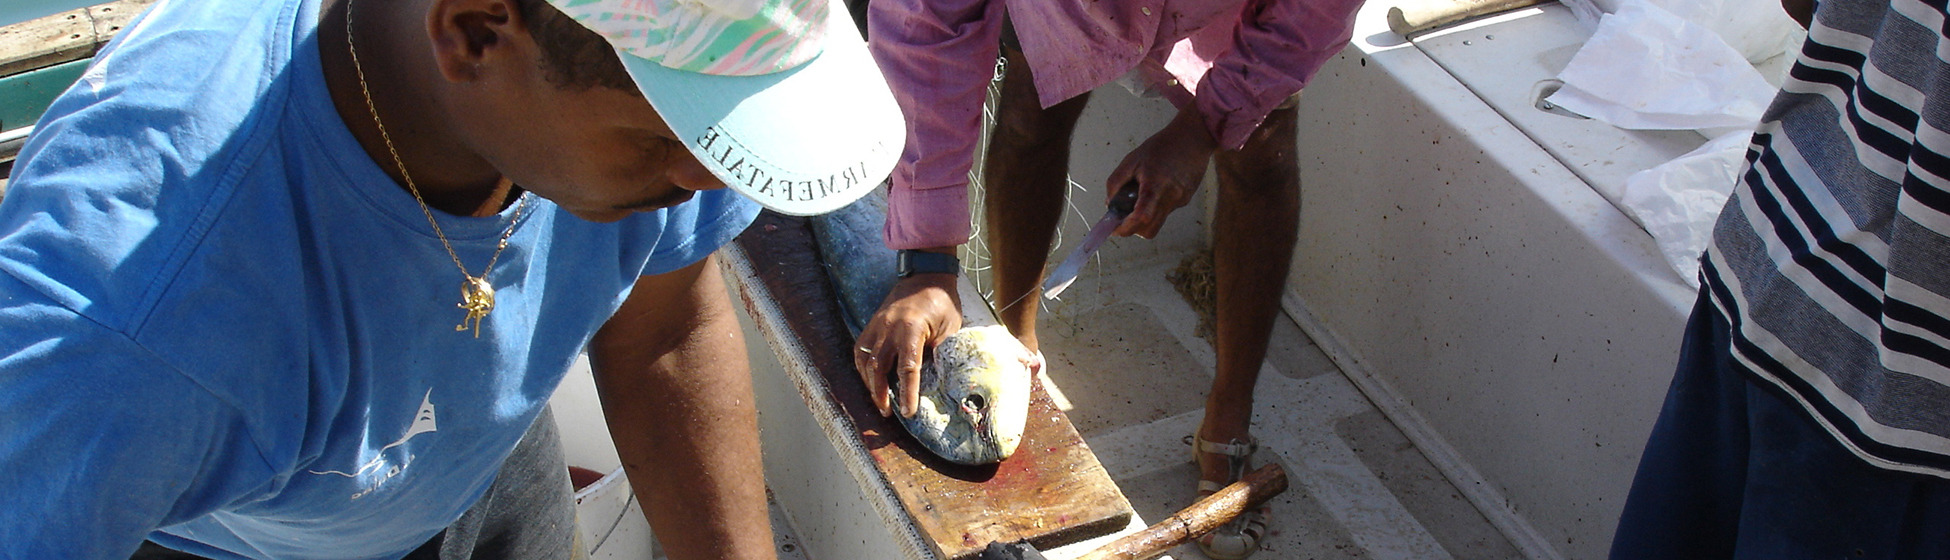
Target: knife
{"x":1066,"y":273}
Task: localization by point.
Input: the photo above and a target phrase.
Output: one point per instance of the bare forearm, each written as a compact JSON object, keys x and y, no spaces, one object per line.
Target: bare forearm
{"x":679,"y":403}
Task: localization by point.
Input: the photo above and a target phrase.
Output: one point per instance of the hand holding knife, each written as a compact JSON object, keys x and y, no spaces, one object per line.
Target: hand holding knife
{"x":1066,"y":273}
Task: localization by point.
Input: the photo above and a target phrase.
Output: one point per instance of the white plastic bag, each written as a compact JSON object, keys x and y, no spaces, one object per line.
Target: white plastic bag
{"x":1647,"y":68}
{"x":1679,"y":201}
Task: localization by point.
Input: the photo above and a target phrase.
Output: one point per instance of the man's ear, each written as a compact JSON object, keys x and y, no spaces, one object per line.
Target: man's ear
{"x":469,"y":34}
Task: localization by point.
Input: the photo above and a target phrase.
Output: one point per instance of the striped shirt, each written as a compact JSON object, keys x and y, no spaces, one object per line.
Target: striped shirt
{"x":1829,"y":261}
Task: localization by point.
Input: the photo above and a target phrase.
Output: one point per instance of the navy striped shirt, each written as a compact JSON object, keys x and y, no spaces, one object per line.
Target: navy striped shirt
{"x":1829,"y":260}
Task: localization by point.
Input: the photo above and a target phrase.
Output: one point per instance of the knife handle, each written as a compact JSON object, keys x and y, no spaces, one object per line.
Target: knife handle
{"x":1126,"y":199}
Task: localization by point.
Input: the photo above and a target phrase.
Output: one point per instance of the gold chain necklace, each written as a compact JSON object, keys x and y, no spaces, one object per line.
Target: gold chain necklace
{"x":476,"y":294}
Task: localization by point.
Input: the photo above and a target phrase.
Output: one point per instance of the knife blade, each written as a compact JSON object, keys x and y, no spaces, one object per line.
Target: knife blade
{"x":1066,"y":273}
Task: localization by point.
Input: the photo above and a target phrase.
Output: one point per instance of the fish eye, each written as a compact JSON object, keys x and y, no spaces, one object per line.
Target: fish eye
{"x":973,"y":402}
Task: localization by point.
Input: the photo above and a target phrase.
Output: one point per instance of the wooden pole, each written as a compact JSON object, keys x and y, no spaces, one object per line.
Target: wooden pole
{"x":1197,"y":519}
{"x":1423,"y":15}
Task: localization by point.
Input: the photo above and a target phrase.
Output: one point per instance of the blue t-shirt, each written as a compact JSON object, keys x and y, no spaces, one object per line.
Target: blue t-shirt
{"x":224,"y":328}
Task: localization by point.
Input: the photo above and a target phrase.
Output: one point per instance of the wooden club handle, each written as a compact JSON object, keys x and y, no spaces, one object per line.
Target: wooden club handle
{"x":1197,"y":519}
{"x":1423,"y":15}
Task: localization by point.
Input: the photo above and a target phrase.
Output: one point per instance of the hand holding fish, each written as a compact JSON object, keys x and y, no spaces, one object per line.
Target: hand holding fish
{"x":1168,"y":168}
{"x":920,"y":312}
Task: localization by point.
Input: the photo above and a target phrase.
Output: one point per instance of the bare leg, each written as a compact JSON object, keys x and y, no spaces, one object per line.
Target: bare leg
{"x":1027,"y":176}
{"x":1258,"y":221}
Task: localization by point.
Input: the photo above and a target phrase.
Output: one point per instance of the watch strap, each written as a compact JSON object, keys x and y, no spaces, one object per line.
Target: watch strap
{"x":925,"y":262}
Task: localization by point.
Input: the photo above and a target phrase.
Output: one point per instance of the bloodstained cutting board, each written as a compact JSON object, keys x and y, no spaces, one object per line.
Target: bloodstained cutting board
{"x":1052,"y":492}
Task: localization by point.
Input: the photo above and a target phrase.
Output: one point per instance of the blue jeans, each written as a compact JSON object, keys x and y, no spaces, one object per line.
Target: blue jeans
{"x":527,"y":514}
{"x":1736,"y":470}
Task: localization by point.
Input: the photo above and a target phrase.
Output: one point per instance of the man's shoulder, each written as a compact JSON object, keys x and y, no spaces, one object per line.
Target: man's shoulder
{"x":189,"y":89}
{"x":178,"y":82}
{"x":130,"y":164}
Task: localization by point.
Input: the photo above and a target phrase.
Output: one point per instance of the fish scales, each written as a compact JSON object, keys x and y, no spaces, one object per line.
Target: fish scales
{"x":856,"y":260}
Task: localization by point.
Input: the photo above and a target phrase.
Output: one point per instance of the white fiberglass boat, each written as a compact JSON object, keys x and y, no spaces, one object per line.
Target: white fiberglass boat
{"x":1476,"y":339}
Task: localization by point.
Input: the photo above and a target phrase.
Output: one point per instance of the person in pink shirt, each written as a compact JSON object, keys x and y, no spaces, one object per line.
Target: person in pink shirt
{"x":1233,"y":68}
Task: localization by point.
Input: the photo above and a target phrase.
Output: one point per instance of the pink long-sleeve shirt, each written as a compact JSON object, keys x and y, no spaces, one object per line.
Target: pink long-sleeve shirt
{"x":1234,"y":60}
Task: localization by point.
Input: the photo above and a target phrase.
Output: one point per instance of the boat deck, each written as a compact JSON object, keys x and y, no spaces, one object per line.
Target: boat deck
{"x":1125,"y":355}
{"x":1130,"y":370}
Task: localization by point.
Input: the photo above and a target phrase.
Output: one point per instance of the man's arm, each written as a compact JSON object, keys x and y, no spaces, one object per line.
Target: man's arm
{"x":677,"y":390}
{"x":1275,"y":51}
{"x":101,"y":441}
{"x":938,"y":57}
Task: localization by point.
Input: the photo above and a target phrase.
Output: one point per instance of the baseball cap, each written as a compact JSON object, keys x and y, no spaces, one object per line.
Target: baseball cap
{"x":778,"y":98}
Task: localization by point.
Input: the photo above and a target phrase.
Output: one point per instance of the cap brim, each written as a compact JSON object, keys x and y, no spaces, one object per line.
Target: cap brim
{"x":801,"y":142}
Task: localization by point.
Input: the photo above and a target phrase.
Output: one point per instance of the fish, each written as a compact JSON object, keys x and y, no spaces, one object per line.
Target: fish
{"x":974,"y":397}
{"x":975,"y":386}
{"x":857,"y":261}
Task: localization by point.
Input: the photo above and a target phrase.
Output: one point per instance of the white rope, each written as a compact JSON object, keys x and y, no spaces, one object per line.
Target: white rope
{"x":976,"y":252}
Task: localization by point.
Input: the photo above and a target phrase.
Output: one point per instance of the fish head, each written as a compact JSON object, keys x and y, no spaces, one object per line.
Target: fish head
{"x":974,"y":397}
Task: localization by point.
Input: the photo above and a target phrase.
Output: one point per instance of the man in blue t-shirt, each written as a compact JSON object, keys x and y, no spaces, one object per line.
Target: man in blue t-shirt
{"x":296,"y":278}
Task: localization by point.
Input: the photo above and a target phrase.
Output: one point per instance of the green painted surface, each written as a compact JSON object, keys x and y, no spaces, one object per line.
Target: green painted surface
{"x":24,"y":96}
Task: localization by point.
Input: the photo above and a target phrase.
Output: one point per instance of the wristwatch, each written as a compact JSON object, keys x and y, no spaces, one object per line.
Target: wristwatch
{"x":912,"y":262}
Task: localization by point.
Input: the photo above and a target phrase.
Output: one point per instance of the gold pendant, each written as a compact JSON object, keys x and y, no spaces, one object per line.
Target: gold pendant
{"x":477,"y":297}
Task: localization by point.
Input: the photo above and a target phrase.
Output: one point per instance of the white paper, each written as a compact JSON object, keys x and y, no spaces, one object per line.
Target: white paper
{"x":1758,"y":29}
{"x":1647,"y":69}
{"x":1679,"y":201}
{"x":1586,"y":11}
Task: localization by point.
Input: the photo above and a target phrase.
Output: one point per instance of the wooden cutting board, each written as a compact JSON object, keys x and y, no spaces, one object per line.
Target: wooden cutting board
{"x":1052,"y":492}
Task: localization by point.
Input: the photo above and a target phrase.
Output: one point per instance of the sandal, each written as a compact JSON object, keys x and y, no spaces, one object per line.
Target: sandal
{"x":1240,"y":537}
